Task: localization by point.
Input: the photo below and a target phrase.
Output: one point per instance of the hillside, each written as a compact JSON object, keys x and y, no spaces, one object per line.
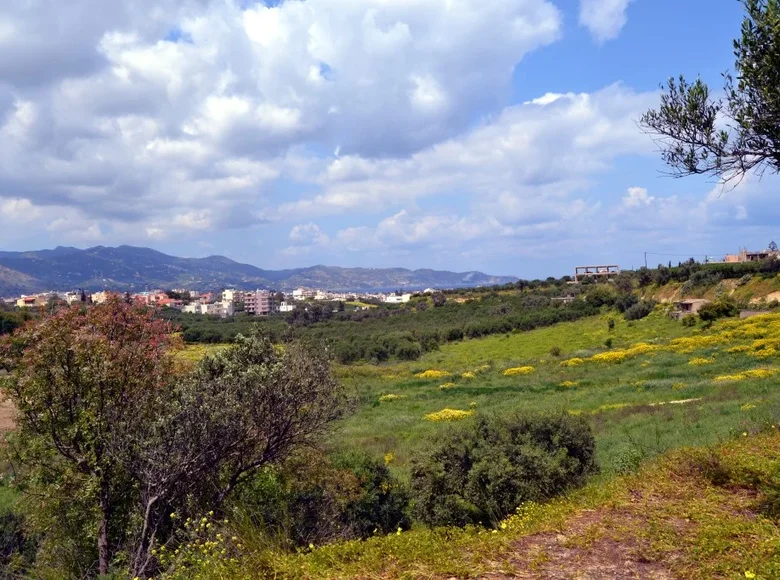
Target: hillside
{"x":133,"y":268}
{"x":656,"y":510}
{"x":754,"y":291}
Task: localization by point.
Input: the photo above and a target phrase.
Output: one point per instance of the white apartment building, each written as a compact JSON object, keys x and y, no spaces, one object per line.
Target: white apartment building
{"x":259,"y":302}
{"x":221,"y":309}
{"x":229,"y":295}
{"x":303,"y":294}
{"x":191,"y":308}
{"x":396,"y":299}
{"x":286,"y":307}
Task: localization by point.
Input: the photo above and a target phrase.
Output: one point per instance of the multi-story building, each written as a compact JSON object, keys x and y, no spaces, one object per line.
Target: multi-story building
{"x":259,"y":302}
{"x":303,"y":294}
{"x":31,"y":301}
{"x":229,"y":295}
{"x":286,"y":307}
{"x":221,"y":309}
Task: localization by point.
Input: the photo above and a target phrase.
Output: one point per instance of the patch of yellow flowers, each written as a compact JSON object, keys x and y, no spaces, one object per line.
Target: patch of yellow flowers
{"x":389,"y":397}
{"x":448,"y":415}
{"x":569,"y":384}
{"x":447,"y":386}
{"x":572,"y":362}
{"x":469,"y":375}
{"x":432,"y":374}
{"x":746,"y":375}
{"x":518,"y":371}
{"x":700,"y":361}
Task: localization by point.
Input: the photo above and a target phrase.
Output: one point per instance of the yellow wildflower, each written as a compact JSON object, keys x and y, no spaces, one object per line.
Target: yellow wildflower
{"x":432,"y":374}
{"x":448,"y":415}
{"x":518,"y":371}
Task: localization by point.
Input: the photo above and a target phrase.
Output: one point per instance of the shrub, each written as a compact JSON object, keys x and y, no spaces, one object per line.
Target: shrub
{"x":600,"y":295}
{"x":611,"y":324}
{"x":718,"y":309}
{"x":689,"y":320}
{"x":481,"y":471}
{"x":555,"y":351}
{"x":625,"y":302}
{"x":639,"y":310}
{"x":316,"y":499}
{"x":608,"y":343}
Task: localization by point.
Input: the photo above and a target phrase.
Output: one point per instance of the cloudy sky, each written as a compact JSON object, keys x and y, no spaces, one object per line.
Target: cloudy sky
{"x":494,"y":135}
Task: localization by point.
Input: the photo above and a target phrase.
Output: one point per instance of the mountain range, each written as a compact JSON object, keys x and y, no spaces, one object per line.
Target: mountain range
{"x":129,"y":268}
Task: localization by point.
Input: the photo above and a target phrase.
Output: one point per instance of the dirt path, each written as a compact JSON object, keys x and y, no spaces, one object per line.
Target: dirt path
{"x":597,"y":544}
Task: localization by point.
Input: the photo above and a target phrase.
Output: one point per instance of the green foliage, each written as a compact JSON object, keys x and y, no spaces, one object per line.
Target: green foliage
{"x":601,"y":295}
{"x":718,"y":309}
{"x":689,"y":320}
{"x":112,"y":438}
{"x":483,"y":470}
{"x":313,"y":499}
{"x":687,"y":123}
{"x":611,"y":324}
{"x":639,"y":310}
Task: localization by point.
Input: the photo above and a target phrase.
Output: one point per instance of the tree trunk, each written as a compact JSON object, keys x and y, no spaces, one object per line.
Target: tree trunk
{"x":105,"y":515}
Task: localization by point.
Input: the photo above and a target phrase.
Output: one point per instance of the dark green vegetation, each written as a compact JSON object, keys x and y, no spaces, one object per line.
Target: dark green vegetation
{"x":481,"y":471}
{"x":113,"y":436}
{"x":689,"y":124}
{"x":130,"y":268}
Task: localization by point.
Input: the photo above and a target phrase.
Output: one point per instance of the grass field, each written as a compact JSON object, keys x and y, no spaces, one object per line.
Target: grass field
{"x":640,"y":404}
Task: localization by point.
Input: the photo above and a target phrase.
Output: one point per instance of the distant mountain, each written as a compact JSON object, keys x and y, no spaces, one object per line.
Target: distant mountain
{"x":135,"y":269}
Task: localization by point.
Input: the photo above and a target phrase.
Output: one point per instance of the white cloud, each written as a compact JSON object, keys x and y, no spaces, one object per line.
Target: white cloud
{"x":604,"y":18}
{"x":637,"y":197}
{"x":100,"y":114}
{"x":522,"y":165}
{"x":308,"y":235}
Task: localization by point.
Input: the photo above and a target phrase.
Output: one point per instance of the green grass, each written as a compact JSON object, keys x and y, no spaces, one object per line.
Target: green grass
{"x":628,"y":404}
{"x":570,"y":337}
{"x":193,"y":352}
{"x":697,"y":514}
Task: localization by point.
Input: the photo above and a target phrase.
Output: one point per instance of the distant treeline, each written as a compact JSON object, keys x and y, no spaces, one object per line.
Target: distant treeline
{"x":402,"y":332}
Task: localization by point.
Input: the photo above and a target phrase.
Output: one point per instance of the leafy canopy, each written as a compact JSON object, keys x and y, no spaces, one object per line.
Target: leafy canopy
{"x":736,"y":134}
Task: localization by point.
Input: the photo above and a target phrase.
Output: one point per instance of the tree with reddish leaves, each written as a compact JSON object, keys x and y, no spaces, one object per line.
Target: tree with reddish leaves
{"x":77,"y":378}
{"x":113,"y":437}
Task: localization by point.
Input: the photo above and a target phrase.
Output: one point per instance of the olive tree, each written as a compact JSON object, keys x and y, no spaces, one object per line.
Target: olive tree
{"x":738,"y":133}
{"x":113,"y":435}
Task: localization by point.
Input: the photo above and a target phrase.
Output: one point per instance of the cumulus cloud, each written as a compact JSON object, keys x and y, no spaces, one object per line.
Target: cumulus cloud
{"x":604,"y":18}
{"x":637,"y":197}
{"x":144,"y":113}
{"x":307,"y":235}
{"x":522,"y":165}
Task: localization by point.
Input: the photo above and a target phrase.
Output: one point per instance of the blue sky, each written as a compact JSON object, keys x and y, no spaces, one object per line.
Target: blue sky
{"x":493,"y":135}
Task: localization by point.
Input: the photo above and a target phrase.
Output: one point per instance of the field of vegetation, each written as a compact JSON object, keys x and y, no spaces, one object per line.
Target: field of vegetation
{"x":661,"y":386}
{"x":706,"y":511}
{"x":586,"y":394}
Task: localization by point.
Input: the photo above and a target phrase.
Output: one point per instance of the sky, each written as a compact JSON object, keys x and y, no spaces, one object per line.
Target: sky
{"x":491,"y":135}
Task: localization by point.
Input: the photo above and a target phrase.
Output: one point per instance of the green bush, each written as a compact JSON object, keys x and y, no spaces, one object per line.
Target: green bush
{"x":689,"y":320}
{"x":316,"y":499}
{"x":718,"y":309}
{"x":639,"y":310}
{"x":482,"y":470}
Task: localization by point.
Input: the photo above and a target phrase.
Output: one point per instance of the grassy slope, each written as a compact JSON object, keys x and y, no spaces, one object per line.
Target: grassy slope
{"x":669,"y":520}
{"x":617,"y":397}
{"x":693,"y":514}
{"x":756,"y":289}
